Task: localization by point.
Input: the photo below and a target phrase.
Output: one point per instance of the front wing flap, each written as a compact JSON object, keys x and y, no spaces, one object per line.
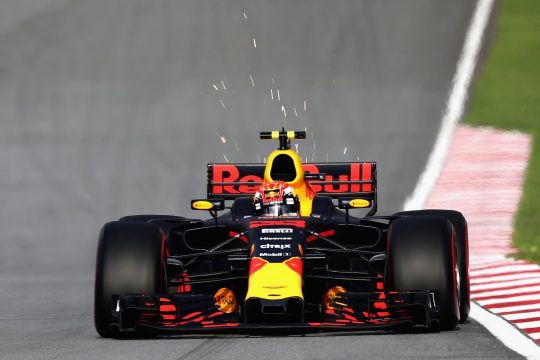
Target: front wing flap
{"x":186,"y":313}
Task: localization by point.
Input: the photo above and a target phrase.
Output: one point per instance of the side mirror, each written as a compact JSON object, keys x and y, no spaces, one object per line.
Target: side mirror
{"x":353,"y":203}
{"x":208,"y":204}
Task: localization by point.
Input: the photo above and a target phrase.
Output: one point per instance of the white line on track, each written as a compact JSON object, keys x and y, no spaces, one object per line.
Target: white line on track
{"x":499,"y":327}
{"x":505,"y":332}
{"x":454,"y":106}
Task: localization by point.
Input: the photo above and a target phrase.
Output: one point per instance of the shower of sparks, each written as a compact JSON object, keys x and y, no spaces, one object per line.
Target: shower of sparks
{"x":252,"y":82}
{"x":222,"y":104}
{"x":254,"y":43}
{"x":345,"y":150}
{"x":215,"y":87}
{"x":278,"y":97}
{"x":225,"y":156}
{"x":245,"y":16}
{"x":236,"y":144}
{"x":284,"y":110}
{"x":272,"y":93}
{"x":223,"y":85}
{"x":222,"y":138}
{"x":305,"y":105}
{"x":295,"y":113}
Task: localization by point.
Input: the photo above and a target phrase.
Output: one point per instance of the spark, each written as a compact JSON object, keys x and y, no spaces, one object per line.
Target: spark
{"x":259,"y":158}
{"x":252,"y":82}
{"x":345,"y":150}
{"x":305,"y":105}
{"x":295,"y":113}
{"x":273,"y":82}
{"x":245,"y":16}
{"x":236,"y":144}
{"x":254,"y":43}
{"x":272,"y":93}
{"x":284,"y":110}
{"x":314,"y":143}
{"x":215,"y":87}
{"x":222,"y":138}
{"x":326,"y":157}
{"x":222,"y":104}
{"x":296,"y":147}
{"x":278,"y":97}
{"x":358,"y":158}
{"x":264,"y":159}
{"x":225,"y":156}
{"x":223,"y":85}
{"x":313,"y":156}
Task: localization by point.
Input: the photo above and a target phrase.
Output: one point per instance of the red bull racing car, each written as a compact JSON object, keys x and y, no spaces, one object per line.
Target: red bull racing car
{"x":287,"y":252}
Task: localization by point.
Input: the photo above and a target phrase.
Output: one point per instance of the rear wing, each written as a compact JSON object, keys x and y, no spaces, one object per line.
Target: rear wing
{"x":341,"y":179}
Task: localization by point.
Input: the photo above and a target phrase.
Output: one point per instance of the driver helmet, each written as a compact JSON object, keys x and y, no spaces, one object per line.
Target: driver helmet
{"x":275,"y":198}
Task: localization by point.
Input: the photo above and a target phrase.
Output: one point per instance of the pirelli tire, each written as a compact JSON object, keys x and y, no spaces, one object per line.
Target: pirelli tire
{"x":421,"y":256}
{"x":129,"y":261}
{"x":462,"y":250}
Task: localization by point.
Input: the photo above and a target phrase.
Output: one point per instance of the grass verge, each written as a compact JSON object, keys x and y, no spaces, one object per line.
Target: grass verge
{"x":507,"y":96}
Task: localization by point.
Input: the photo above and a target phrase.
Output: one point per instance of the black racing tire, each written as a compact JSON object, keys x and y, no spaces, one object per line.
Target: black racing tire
{"x":462,"y":245}
{"x":129,"y":260}
{"x":421,"y":256}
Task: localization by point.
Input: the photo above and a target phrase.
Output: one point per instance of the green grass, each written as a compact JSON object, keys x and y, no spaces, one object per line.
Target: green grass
{"x":507,"y":96}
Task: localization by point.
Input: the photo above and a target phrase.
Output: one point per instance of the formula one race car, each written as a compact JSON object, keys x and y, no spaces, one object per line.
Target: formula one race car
{"x":286,"y":255}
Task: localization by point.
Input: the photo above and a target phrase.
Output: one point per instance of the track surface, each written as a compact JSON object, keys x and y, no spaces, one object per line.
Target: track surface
{"x":108,"y":108}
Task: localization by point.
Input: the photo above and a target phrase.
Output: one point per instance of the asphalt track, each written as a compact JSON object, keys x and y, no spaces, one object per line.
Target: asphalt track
{"x":108,"y":108}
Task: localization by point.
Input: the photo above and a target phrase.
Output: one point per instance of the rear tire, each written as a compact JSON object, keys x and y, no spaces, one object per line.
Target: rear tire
{"x":129,"y":261}
{"x":422,"y":257}
{"x":462,"y":250}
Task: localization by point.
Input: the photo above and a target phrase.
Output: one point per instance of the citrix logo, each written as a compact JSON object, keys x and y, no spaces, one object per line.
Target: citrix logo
{"x":276,"y":246}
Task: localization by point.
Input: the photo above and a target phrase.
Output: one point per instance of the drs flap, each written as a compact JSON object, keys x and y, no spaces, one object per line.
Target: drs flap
{"x":359,"y":179}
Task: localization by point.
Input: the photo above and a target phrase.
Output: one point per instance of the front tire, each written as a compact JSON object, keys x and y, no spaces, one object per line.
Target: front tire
{"x":129,"y":261}
{"x":421,"y":256}
{"x":462,"y":246}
